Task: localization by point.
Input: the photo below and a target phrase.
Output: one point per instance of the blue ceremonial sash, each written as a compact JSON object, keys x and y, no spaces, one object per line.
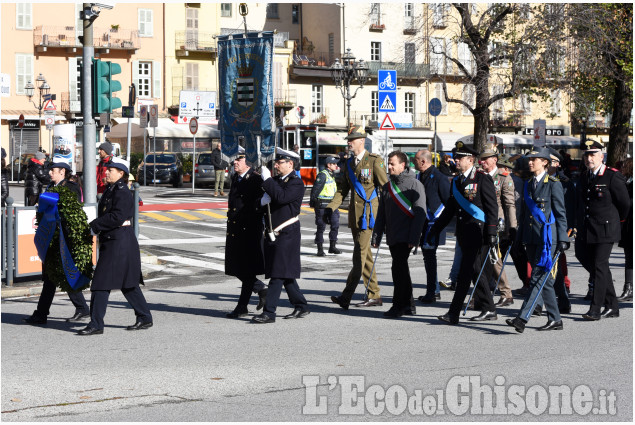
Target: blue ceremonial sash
{"x":47,"y":205}
{"x":472,"y":209}
{"x":432,"y":218}
{"x":545,"y":257}
{"x":359,"y":189}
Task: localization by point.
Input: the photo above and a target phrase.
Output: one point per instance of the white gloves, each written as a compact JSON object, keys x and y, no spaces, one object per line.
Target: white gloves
{"x":265,"y":199}
{"x":265,"y":173}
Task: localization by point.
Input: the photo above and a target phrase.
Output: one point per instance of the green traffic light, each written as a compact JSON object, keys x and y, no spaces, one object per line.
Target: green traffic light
{"x":104,"y":86}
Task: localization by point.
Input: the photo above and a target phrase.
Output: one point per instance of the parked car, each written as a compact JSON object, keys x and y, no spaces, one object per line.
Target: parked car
{"x":204,"y":171}
{"x":169,"y":169}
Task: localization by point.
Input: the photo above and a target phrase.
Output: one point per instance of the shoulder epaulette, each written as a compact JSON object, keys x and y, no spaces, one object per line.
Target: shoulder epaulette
{"x":554,"y":178}
{"x":375,"y":155}
{"x":613,"y":169}
{"x":503,"y":172}
{"x":480,"y":171}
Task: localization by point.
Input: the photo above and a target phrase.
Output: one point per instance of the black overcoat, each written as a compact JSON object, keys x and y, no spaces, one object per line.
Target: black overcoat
{"x":119,"y":263}
{"x":243,"y":243}
{"x":282,"y":257}
{"x":437,"y":187}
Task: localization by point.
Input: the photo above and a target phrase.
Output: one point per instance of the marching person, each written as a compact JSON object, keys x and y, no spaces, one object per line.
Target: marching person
{"x":364,"y":174}
{"x":105,"y":155}
{"x":626,"y":241}
{"x":119,"y":264}
{"x":244,"y":256}
{"x":543,"y":231}
{"x":603,"y":205}
{"x":59,"y":173}
{"x":507,"y":213}
{"x":282,"y":245}
{"x":401,"y":215}
{"x":437,"y":190}
{"x":36,"y":179}
{"x":219,"y":169}
{"x":322,"y":193}
{"x":473,"y":202}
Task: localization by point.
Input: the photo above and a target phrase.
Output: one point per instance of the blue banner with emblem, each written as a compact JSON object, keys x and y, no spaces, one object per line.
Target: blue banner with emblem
{"x":245,"y":64}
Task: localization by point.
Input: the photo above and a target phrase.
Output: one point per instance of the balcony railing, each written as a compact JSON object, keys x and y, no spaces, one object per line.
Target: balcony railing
{"x":285,"y":98}
{"x":409,"y":26}
{"x":404,"y":69}
{"x":278,"y":38}
{"x":311,"y":58}
{"x":511,"y":119}
{"x":195,"y":41}
{"x":70,"y":105}
{"x":45,"y":36}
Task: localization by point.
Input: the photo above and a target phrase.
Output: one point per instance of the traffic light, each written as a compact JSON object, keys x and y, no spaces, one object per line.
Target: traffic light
{"x":104,"y":86}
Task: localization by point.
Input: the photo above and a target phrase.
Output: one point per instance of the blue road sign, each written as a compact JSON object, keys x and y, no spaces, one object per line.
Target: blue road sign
{"x":183,"y":105}
{"x":387,"y":80}
{"x":435,"y":107}
{"x":387,"y":101}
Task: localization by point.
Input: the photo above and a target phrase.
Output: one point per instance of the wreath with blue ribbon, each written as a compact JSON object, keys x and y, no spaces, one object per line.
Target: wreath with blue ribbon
{"x":67,"y":256}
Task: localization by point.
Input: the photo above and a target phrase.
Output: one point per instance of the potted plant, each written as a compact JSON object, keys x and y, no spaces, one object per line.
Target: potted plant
{"x":114,"y":28}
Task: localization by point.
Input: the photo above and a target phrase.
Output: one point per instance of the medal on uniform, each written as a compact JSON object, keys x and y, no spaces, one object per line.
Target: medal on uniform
{"x":365,"y":174}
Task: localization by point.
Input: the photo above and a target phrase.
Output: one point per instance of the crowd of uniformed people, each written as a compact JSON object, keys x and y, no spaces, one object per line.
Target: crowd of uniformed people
{"x":522,"y":207}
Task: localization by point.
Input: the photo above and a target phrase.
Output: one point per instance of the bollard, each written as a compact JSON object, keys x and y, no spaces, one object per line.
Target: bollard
{"x":135,"y":185}
{"x":10,"y":240}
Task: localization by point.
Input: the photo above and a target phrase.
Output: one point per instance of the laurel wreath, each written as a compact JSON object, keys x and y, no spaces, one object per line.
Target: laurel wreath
{"x":78,"y":239}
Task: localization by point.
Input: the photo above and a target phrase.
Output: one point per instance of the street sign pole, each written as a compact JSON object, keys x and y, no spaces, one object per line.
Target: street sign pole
{"x":194,"y":130}
{"x":20,"y":157}
{"x":154,"y":161}
{"x":434,"y":144}
{"x":145,"y":166}
{"x":434,"y":108}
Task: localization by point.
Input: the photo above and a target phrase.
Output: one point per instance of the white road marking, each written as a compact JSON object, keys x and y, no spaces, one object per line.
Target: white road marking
{"x":193,"y":241}
{"x":185,"y":261}
{"x":173,"y":230}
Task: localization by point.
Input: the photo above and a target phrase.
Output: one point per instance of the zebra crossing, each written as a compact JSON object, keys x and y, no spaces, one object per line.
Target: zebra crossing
{"x":195,"y":215}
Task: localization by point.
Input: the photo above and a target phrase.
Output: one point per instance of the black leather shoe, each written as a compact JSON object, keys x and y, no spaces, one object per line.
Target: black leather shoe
{"x":589,"y":315}
{"x":139,"y":325}
{"x":340,"y":302}
{"x":262,"y":318}
{"x":484,"y":316}
{"x":238,"y":312}
{"x":298,"y":313}
{"x":34,"y":320}
{"x":78,"y":317}
{"x":262,"y":297}
{"x":552,"y":325}
{"x":504,"y":302}
{"x":516,"y":323}
{"x":537,"y":311}
{"x":429,"y":298}
{"x":610,"y":312}
{"x":447,"y":284}
{"x":90,"y":331}
{"x":373,"y":302}
{"x":453,"y":320}
{"x":470,"y":306}
{"x":394,"y":312}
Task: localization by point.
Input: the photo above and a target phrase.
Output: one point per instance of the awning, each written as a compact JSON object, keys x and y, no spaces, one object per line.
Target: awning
{"x":528,"y":140}
{"x":332,"y":138}
{"x":491,"y":139}
{"x":120,"y":131}
{"x":447,"y":141}
{"x":168,"y":129}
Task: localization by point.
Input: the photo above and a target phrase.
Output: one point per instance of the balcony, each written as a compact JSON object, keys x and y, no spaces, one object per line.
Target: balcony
{"x":377,"y":27}
{"x":188,"y":41}
{"x":279,"y":38}
{"x":285,"y":99}
{"x":409,"y":27}
{"x":66,"y":37}
{"x":418,"y":71}
{"x":69,"y":105}
{"x":512,"y":119}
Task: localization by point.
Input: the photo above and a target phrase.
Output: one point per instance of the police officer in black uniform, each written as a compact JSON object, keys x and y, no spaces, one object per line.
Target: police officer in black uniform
{"x":603,"y":204}
{"x":282,"y":243}
{"x":59,"y":172}
{"x":119,"y":264}
{"x":244,"y":256}
{"x":473,"y":201}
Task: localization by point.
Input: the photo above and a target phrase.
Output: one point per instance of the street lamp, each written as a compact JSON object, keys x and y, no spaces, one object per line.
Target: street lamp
{"x":583,"y":133}
{"x":343,"y":73}
{"x":44,"y":90}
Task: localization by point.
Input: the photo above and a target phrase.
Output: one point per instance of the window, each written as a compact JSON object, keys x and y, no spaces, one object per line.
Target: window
{"x":525,"y":104}
{"x":147,"y":77}
{"x":316,"y":100}
{"x":374,"y":104}
{"x":75,"y":83}
{"x":23,"y":71}
{"x":272,"y":11}
{"x":23,"y":16}
{"x":375,"y":14}
{"x":409,"y":103}
{"x":498,"y":48}
{"x":409,"y":9}
{"x":295,"y":13}
{"x":79,"y":22}
{"x":191,"y":28}
{"x":191,"y":76}
{"x":524,"y":11}
{"x":554,"y":57}
{"x":556,"y":107}
{"x":409,"y":16}
{"x":439,"y":12}
{"x":469,"y":95}
{"x":473,"y":9}
{"x":409,"y":53}
{"x":437,"y":57}
{"x":375,"y":51}
{"x":226,"y":10}
{"x":438,"y":93}
{"x":499,"y":105}
{"x":466,"y":58}
{"x":145,"y":23}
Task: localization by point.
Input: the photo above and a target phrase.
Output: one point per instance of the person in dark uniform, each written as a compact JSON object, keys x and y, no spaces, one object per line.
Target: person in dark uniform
{"x":322,"y":193}
{"x":36,"y":178}
{"x":282,"y":251}
{"x":244,"y":256}
{"x":59,"y":172}
{"x":473,"y":201}
{"x":543,"y":231}
{"x":119,"y":264}
{"x":626,"y":240}
{"x":603,"y":204}
{"x":437,"y":189}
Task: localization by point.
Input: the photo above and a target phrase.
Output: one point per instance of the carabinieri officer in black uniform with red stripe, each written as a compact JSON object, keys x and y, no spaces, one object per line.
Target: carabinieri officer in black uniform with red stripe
{"x":473,"y":201}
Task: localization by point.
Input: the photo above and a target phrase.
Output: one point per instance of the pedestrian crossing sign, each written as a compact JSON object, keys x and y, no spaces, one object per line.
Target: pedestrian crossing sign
{"x":387,"y":123}
{"x":387,"y":101}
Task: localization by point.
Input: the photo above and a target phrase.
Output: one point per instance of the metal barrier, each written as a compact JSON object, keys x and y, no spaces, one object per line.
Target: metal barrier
{"x":135,"y":217}
{"x":7,"y":217}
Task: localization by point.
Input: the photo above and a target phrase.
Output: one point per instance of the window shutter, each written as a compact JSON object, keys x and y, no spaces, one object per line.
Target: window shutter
{"x":72,"y":80}
{"x":149,"y":23}
{"x":19,"y":15}
{"x":141,"y":19}
{"x":449,"y":65}
{"x":27,"y":15}
{"x":135,"y":75}
{"x":156,"y":79}
{"x":19,"y":74}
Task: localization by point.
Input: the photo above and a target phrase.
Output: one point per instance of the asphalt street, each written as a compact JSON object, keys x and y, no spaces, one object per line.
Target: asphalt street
{"x":197,"y":365}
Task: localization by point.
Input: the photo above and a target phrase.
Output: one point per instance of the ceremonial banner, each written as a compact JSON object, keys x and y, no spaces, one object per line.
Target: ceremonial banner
{"x":245,"y":64}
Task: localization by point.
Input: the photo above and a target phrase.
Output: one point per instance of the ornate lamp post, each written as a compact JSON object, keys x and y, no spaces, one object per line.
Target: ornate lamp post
{"x":343,"y":73}
{"x":44,"y":90}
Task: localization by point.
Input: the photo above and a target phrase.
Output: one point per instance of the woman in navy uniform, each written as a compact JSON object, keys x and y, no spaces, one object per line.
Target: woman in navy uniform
{"x":244,"y":257}
{"x":603,"y":204}
{"x":473,"y":201}
{"x":543,"y":231}
{"x":119,"y":264}
{"x":282,"y":255}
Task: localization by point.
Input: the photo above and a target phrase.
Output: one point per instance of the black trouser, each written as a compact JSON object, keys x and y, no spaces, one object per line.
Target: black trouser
{"x":430,"y":263}
{"x":273,"y":295}
{"x":595,"y":259}
{"x":471,"y":263}
{"x":47,"y":295}
{"x":134,"y":296}
{"x":519,"y":257}
{"x":250,"y":284}
{"x":401,"y":275}
{"x":321,"y":226}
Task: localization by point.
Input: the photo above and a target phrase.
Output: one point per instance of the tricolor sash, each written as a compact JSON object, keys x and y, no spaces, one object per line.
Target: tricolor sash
{"x":359,"y":189}
{"x":400,"y":199}
{"x":545,"y":257}
{"x":50,"y":221}
{"x":472,"y":209}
